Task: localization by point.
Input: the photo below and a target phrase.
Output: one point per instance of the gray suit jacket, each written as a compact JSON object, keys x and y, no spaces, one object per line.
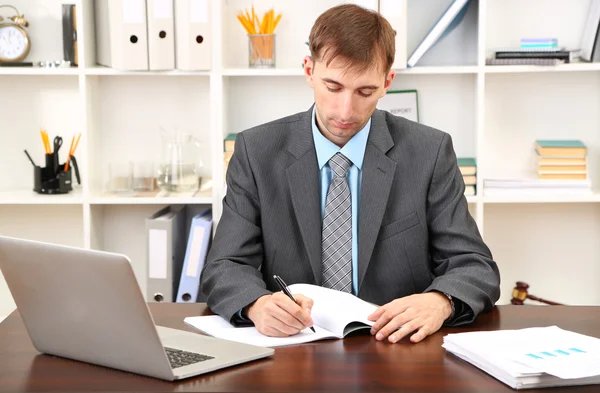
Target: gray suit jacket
{"x":415,"y":232}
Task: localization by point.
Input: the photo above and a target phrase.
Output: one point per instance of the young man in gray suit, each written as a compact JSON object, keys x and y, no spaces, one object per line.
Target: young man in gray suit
{"x":351,"y":198}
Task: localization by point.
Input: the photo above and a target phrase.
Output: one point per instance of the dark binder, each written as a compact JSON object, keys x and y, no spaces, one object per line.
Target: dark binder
{"x":69,"y":30}
{"x":565,"y":55}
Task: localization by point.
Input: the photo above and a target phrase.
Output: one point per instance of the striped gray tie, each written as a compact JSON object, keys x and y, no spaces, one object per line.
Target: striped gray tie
{"x":337,"y":229}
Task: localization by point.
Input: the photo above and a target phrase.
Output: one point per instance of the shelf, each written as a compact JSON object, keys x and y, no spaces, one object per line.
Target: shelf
{"x":161,"y":198}
{"x":38,"y":71}
{"x":28,"y":197}
{"x":557,"y":198}
{"x":424,"y":70}
{"x":440,"y":70}
{"x":300,"y":72}
{"x":151,"y":201}
{"x":114,"y":72}
{"x":264,"y":71}
{"x":571,"y":67}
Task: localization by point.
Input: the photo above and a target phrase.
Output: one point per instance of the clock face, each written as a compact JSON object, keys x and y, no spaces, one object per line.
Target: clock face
{"x":13,"y":43}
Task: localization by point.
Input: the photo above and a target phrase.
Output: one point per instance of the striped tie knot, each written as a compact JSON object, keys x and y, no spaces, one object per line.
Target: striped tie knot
{"x":339,"y":164}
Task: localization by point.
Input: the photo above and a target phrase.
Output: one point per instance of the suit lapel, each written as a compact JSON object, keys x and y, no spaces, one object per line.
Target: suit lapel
{"x":377,"y":177}
{"x":303,"y":181}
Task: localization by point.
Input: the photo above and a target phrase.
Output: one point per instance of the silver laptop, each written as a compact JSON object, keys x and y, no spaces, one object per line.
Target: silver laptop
{"x":86,"y":305}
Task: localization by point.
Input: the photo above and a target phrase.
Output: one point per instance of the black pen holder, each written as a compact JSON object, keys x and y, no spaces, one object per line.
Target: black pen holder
{"x":53,"y":179}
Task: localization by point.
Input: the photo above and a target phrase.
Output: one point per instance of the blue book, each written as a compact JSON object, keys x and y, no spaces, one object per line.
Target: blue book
{"x":560,"y":148}
{"x":539,"y":42}
{"x":453,"y":15}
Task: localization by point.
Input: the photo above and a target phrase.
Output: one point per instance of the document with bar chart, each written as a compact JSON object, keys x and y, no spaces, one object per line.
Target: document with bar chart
{"x":532,"y":357}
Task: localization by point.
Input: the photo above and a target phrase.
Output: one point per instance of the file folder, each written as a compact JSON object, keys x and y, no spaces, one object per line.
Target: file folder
{"x":121,"y":34}
{"x":161,"y":35}
{"x":166,"y":242}
{"x":395,"y":11}
{"x":193,"y":37}
{"x":199,"y":241}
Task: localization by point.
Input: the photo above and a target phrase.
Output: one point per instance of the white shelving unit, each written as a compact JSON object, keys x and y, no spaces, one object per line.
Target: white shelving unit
{"x":493,"y":113}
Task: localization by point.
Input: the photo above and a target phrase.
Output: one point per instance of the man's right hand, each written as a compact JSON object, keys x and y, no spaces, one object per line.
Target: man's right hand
{"x":277,"y":315}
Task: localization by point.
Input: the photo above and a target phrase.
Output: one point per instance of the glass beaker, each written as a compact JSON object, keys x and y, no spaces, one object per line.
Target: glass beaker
{"x":181,"y":161}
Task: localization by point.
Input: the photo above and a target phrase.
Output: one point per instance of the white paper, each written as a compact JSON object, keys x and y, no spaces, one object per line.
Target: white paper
{"x":163,"y":9}
{"x":392,"y":8}
{"x":217,"y":326}
{"x":157,"y":253}
{"x":334,"y":309}
{"x":400,"y":103}
{"x":198,"y":11}
{"x":542,"y":350}
{"x":133,"y":11}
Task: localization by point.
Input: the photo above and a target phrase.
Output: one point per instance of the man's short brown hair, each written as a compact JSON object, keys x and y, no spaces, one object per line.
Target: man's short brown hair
{"x":363,"y":38}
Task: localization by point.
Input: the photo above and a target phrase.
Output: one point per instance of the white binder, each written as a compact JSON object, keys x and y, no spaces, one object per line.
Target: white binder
{"x":161,"y":35}
{"x":193,"y":38}
{"x":395,"y":11}
{"x":121,"y":34}
{"x":199,"y":241}
{"x":166,"y":241}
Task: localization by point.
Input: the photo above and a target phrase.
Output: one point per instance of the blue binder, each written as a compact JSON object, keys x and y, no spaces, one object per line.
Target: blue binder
{"x":447,"y":22}
{"x":195,"y":256}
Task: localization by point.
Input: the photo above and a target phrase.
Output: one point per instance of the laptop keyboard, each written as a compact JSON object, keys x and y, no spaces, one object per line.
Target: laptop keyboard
{"x":179,"y":358}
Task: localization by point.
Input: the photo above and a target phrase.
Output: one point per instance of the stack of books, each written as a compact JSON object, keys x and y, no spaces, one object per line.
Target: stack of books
{"x":468,"y":169}
{"x":228,"y":146}
{"x":560,"y":169}
{"x":536,"y":51}
{"x":561,"y":160}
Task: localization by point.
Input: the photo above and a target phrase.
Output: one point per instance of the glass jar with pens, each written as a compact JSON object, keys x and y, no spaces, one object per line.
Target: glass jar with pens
{"x":261,"y":37}
{"x":55,"y":178}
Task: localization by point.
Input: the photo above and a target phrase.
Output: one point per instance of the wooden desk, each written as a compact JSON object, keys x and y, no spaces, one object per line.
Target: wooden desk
{"x":355,"y":364}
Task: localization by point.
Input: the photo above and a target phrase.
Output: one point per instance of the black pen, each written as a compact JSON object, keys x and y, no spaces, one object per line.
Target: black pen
{"x":285,"y":290}
{"x":28,"y":156}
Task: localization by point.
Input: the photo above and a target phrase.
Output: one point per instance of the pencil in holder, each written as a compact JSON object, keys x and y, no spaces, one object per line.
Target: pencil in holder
{"x":261,"y":50}
{"x":53,"y":179}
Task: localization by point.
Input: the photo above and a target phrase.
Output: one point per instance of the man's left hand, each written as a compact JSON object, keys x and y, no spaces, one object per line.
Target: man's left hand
{"x":424,"y":313}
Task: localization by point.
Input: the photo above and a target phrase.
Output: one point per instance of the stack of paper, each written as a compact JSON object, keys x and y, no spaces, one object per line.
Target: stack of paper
{"x":531,"y":358}
{"x":530,"y":185}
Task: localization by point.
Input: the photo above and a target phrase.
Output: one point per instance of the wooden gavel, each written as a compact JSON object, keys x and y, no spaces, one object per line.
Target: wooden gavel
{"x":519,"y":294}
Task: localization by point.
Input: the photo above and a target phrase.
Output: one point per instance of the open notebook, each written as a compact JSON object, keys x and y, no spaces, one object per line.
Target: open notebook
{"x":335,"y":314}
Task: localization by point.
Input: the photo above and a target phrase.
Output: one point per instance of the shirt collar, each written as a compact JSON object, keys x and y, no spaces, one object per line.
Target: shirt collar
{"x":354,"y":149}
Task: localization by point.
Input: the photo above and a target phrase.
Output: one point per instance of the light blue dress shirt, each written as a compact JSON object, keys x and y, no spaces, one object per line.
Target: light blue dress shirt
{"x":354,"y":150}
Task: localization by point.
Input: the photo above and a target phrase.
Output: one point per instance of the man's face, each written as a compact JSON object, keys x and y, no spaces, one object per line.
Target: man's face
{"x":345,"y":99}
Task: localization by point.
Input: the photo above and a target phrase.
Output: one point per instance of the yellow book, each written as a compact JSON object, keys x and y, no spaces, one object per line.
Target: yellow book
{"x":561,"y":160}
{"x":469,"y":180}
{"x":563,"y":176}
{"x":562,"y":169}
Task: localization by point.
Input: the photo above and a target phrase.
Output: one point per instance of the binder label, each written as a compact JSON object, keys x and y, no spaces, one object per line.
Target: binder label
{"x":157,"y":253}
{"x":163,"y":9}
{"x":198,"y":11}
{"x":133,"y":11}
